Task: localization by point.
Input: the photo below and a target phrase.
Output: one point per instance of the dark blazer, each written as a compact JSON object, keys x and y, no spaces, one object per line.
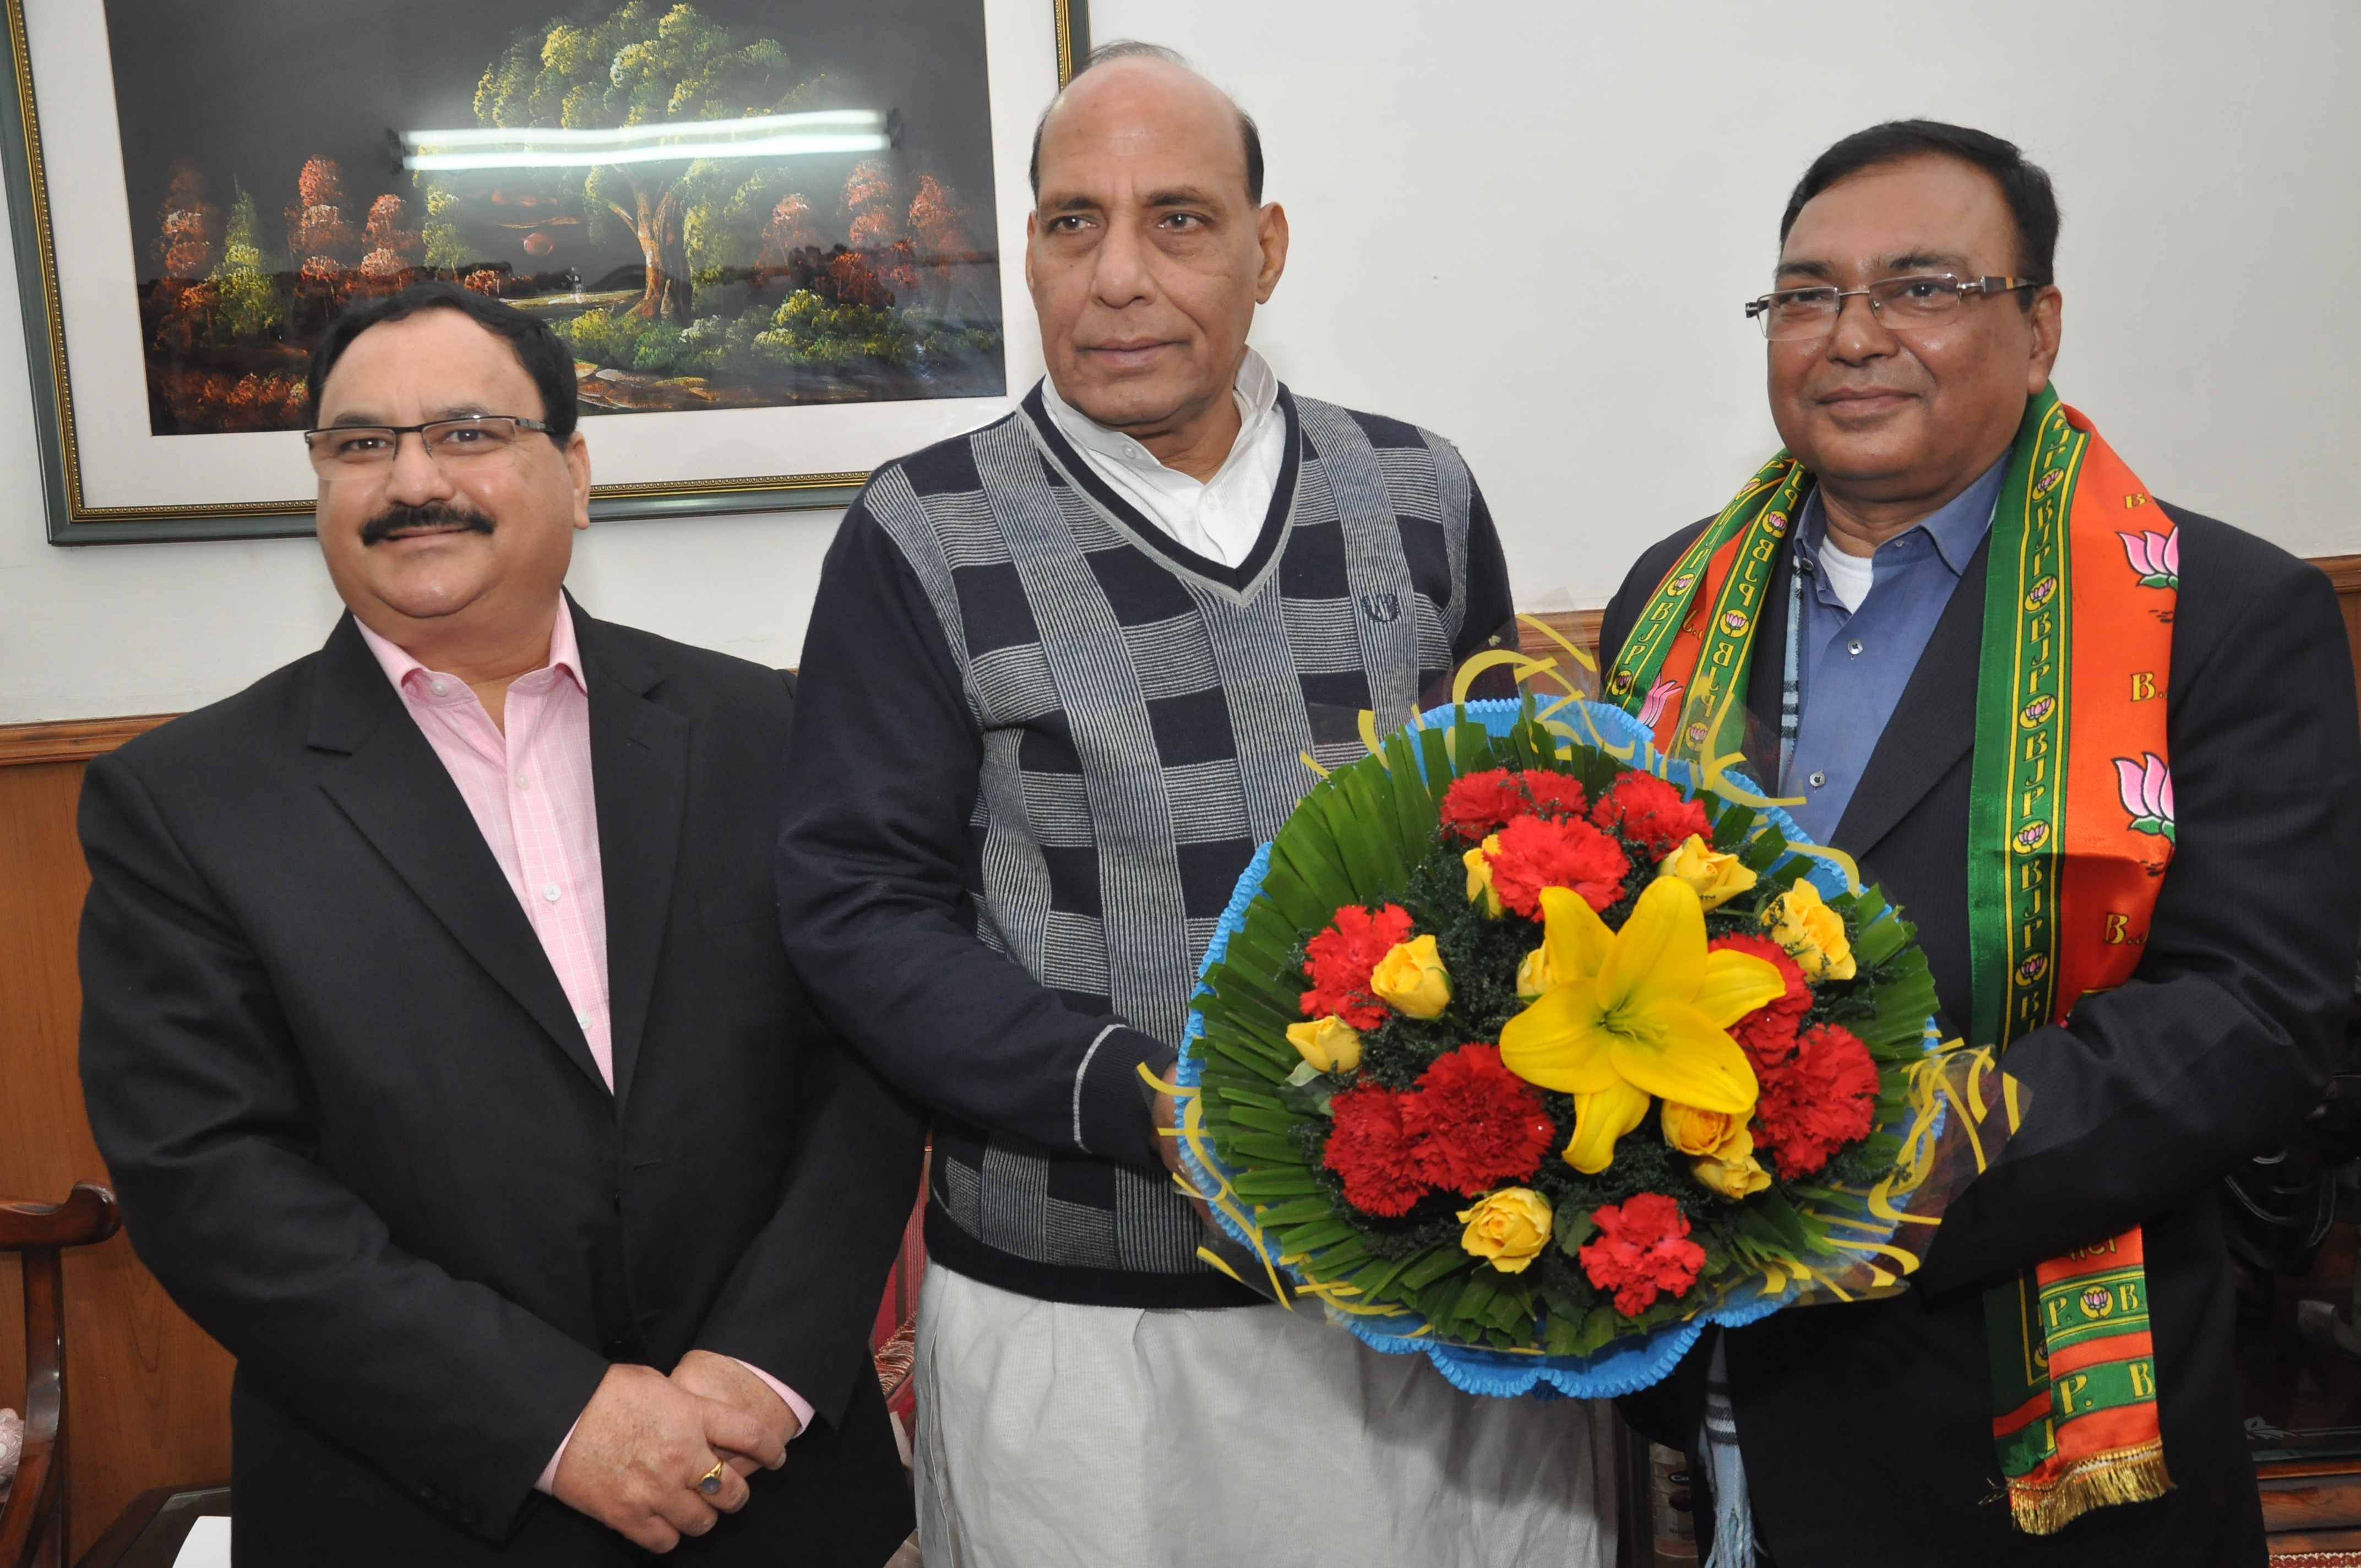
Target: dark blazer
{"x":361,"y":1140}
{"x":1866,"y":1428}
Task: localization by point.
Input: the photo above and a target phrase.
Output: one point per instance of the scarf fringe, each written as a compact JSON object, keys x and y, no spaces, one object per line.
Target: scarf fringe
{"x":2135,"y":1475}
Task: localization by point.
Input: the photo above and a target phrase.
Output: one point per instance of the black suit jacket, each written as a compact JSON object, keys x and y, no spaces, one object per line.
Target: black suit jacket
{"x":361,"y":1140}
{"x":1866,"y":1428}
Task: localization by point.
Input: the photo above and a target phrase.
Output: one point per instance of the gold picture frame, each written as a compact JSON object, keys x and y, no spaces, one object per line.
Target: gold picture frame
{"x":88,"y":369}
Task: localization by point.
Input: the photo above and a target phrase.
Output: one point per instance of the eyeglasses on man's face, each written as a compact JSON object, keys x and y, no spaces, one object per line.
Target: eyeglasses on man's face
{"x":347,"y":451}
{"x":1900,"y":304}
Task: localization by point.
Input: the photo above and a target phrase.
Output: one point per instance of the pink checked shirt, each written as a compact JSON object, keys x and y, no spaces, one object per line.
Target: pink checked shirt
{"x":531,"y":793}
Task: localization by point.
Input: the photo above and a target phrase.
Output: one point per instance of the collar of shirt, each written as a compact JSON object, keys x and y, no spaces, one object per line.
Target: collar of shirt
{"x":426,"y":685}
{"x":1953,"y":531}
{"x":1219,"y":519}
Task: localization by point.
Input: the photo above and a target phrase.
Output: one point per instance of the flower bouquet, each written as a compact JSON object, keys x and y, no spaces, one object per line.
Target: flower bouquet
{"x":1522,"y":1047}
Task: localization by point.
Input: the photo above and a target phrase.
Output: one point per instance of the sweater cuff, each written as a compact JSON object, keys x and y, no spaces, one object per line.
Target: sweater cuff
{"x":1112,"y":1101}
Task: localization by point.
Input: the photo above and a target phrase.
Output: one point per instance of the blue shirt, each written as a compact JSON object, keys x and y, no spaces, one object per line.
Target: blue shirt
{"x":1852,"y":664}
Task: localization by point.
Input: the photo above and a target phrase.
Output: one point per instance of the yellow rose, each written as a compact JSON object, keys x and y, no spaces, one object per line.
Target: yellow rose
{"x":1717,"y":878}
{"x":1509,"y":1227}
{"x":1696,"y":1132}
{"x":1479,"y":863}
{"x":1410,"y":980}
{"x":1813,"y":933}
{"x":1329,"y":1044}
{"x":1730,"y":1169}
{"x":1534,"y":975}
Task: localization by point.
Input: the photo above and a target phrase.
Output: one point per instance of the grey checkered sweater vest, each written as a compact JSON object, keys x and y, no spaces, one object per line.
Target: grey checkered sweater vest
{"x":1144,"y":728}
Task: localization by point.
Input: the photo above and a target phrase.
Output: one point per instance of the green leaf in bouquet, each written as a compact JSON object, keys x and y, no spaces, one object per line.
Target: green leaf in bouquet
{"x":1373,"y":1280}
{"x":1571,"y":1227}
{"x":1374,"y":834}
{"x":1415,"y":813}
{"x":1250,"y":1097}
{"x":1772,"y":1208}
{"x":1270,"y":1149}
{"x":1509,"y":1309}
{"x":1429,"y":1267}
{"x":1304,"y":848}
{"x":1295,"y":902}
{"x":1310,"y":1238}
{"x":1341,"y":1257}
{"x":1232,"y":1050}
{"x":1434,"y":757}
{"x":1363,"y":845}
{"x":1274,"y":1121}
{"x":1599,"y":1329}
{"x":1295,"y":1211}
{"x":1764,"y":849}
{"x":1475,"y":1298}
{"x":1277,"y":1181}
{"x":1729,"y":827}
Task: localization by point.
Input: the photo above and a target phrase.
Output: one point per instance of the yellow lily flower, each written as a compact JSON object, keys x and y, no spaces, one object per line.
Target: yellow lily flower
{"x":1637,"y":1013}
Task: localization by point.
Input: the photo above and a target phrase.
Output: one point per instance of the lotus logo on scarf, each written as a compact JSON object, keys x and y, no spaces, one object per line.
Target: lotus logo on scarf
{"x":2031,"y":837}
{"x":2048,"y":482}
{"x":1659,"y":695}
{"x":1734,"y":621}
{"x":2036,"y":711}
{"x":2155,"y":556}
{"x":1776,"y":521}
{"x":2040,"y":594}
{"x":2147,"y":788}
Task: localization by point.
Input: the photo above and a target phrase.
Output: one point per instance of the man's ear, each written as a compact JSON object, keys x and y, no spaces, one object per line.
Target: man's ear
{"x":2049,"y":326}
{"x":1271,"y":236}
{"x":1031,"y":229}
{"x":577,"y":469}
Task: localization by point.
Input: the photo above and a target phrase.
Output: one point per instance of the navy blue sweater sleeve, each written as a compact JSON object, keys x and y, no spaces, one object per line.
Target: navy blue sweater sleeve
{"x":876,"y":865}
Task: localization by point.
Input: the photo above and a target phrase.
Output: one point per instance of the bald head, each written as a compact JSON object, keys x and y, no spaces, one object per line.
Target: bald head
{"x":1126,"y":69}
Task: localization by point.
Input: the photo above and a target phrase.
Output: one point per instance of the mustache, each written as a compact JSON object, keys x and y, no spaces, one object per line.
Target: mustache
{"x":433,"y":515}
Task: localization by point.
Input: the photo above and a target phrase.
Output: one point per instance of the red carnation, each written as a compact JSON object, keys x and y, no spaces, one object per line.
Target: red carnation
{"x":1478,"y":1125}
{"x":1478,"y":804}
{"x":1769,"y":1031}
{"x":1369,"y":1149}
{"x":1818,"y":1102}
{"x":1641,"y":1250}
{"x":1554,"y":795}
{"x":1647,"y":810}
{"x":1340,"y":959}
{"x":1535,"y":853}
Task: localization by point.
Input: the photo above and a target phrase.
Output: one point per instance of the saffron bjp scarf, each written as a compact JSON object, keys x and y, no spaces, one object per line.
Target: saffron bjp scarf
{"x":2071,"y":830}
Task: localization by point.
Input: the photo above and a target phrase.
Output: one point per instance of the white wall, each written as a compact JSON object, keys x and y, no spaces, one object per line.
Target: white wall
{"x":1529,"y":225}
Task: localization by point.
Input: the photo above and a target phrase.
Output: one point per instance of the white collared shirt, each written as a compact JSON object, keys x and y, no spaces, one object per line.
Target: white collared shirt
{"x":1220,"y":520}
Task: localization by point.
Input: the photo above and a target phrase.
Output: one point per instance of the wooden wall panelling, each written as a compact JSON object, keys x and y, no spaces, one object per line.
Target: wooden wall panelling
{"x":147,"y":1392}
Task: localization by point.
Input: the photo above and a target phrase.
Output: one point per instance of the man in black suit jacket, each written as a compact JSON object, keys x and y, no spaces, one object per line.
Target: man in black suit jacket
{"x":1866,"y":1429}
{"x":455,"y":1179}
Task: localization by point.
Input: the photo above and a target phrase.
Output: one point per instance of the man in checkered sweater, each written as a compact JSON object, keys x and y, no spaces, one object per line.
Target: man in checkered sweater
{"x":1060,"y":680}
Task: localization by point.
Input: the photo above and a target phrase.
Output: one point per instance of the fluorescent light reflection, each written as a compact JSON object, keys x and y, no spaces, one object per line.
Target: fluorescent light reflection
{"x":760,"y":135}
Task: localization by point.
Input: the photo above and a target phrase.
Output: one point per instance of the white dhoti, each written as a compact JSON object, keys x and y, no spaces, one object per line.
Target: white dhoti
{"x":1112,"y":1437}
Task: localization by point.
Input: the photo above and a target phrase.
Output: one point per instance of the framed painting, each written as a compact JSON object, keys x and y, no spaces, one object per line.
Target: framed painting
{"x":771,"y":231}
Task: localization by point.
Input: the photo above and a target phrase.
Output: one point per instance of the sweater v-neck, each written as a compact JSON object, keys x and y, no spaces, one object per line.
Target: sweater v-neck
{"x":1167,"y":550}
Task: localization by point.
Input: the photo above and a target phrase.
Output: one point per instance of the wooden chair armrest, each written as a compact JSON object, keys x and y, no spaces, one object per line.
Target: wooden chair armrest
{"x":89,"y":1215}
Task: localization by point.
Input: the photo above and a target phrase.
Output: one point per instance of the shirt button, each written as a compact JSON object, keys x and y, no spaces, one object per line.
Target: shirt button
{"x":523,"y":783}
{"x":550,"y":892}
{"x":583,"y":1019}
{"x":1852,"y":647}
{"x":438,"y":688}
{"x":1817,"y":780}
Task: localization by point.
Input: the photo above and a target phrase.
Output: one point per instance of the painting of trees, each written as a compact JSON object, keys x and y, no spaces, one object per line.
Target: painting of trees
{"x":640,"y":66}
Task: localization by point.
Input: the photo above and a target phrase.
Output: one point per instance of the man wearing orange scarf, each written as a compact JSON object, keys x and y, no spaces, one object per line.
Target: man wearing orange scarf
{"x":2103,"y":753}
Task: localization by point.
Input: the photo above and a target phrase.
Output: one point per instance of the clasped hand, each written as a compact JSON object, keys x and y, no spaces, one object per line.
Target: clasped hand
{"x":644,"y":1441}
